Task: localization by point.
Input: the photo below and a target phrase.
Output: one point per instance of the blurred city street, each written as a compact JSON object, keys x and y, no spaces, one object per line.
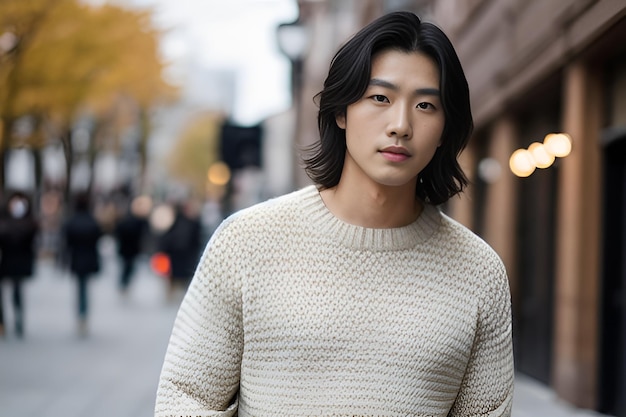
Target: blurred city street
{"x":114,"y":370}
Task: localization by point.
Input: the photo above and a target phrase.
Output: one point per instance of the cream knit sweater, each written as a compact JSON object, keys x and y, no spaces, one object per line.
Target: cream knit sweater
{"x":293,"y":312}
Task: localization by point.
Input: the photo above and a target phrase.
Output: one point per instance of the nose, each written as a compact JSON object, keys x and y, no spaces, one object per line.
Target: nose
{"x":399,"y":122}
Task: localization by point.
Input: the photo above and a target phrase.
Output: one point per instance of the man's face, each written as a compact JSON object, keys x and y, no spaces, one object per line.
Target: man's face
{"x":393,"y":131}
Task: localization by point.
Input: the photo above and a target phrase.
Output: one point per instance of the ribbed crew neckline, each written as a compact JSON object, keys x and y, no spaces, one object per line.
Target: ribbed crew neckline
{"x":358,"y":237}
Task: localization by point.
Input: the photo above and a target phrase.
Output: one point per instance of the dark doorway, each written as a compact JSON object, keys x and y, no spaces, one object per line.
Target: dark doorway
{"x":533,"y":306}
{"x":613,"y":302}
{"x":533,"y":303}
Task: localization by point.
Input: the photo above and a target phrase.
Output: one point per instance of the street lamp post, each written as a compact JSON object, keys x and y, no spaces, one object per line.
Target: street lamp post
{"x":294,"y":40}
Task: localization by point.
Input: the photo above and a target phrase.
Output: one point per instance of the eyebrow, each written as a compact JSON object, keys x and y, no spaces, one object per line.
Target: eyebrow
{"x":419,"y":91}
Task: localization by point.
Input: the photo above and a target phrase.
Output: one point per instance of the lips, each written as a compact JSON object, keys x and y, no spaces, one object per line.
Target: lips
{"x":395,"y":153}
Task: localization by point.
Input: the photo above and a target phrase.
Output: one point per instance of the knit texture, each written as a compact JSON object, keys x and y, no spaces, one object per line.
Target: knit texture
{"x":293,"y":312}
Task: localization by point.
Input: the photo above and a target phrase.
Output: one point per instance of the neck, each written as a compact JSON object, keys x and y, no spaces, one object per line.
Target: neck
{"x":373,"y":206}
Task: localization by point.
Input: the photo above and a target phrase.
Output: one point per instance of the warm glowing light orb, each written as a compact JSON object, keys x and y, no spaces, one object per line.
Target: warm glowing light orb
{"x":558,"y":144}
{"x":522,"y":163}
{"x":219,"y":173}
{"x":543,"y":158}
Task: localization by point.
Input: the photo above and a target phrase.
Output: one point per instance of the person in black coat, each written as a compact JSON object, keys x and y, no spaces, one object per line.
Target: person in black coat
{"x":18,"y":230}
{"x":182,"y":244}
{"x":129,"y":233}
{"x":82,"y":233}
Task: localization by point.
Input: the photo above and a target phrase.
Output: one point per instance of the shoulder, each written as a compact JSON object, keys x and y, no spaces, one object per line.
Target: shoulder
{"x":245,"y":236}
{"x":467,"y":244}
{"x":278,"y":212}
{"x":474,"y":261}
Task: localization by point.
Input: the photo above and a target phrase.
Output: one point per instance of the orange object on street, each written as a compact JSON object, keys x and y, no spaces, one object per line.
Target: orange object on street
{"x":160,"y":263}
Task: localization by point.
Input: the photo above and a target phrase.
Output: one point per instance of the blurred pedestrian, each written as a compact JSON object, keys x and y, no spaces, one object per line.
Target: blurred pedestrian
{"x":129,"y":233}
{"x":82,"y":233}
{"x":182,"y":244}
{"x":18,"y":230}
{"x":355,"y":296}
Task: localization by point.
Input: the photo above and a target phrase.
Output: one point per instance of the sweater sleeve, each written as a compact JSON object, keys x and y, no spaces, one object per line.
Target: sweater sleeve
{"x":201,"y":370}
{"x":487,"y":386}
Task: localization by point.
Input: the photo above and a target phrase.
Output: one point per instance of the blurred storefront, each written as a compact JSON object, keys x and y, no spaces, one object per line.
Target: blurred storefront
{"x":535,"y":68}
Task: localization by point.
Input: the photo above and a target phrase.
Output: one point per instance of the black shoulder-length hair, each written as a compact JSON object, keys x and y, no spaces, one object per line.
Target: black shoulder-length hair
{"x":348,"y":78}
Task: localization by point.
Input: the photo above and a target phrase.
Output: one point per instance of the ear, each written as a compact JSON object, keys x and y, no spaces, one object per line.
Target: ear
{"x":340,"y":119}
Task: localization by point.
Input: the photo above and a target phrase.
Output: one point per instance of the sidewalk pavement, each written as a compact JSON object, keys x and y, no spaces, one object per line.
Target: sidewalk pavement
{"x":533,"y":399}
{"x":114,"y":370}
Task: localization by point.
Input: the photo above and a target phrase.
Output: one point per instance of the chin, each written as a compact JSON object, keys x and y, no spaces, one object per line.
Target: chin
{"x":397,"y":183}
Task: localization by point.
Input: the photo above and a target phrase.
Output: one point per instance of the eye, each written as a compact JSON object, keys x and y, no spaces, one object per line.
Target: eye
{"x":426,"y":106}
{"x":379,"y":98}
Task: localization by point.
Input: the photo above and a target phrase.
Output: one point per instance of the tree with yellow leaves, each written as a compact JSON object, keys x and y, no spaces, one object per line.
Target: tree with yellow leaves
{"x":70,"y":61}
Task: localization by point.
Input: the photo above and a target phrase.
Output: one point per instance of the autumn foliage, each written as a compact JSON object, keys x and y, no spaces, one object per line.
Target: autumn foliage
{"x":62,"y":61}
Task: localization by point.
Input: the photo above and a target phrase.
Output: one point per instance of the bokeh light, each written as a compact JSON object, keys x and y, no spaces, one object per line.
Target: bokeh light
{"x":543,"y":159}
{"x":522,"y":163}
{"x":558,"y":144}
{"x":219,"y":173}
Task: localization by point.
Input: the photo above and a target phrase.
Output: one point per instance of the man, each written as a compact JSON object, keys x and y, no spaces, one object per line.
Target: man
{"x":355,"y":297}
{"x":18,"y":233}
{"x":182,"y":244}
{"x":82,"y":233}
{"x":129,"y":233}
